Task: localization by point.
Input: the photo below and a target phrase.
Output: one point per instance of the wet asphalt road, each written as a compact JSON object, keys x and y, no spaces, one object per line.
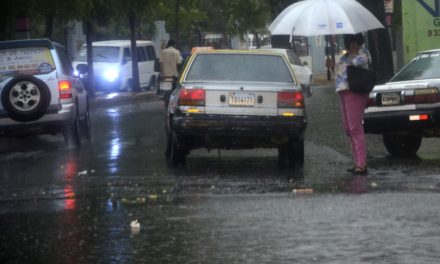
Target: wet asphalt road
{"x":66,"y":205}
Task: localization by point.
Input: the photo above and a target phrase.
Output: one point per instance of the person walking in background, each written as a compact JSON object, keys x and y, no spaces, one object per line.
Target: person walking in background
{"x":353,"y":104}
{"x":170,"y":60}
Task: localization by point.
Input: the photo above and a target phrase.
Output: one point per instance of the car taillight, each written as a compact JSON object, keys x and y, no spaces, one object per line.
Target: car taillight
{"x":424,"y":96}
{"x":371,"y":100}
{"x":192,"y":97}
{"x":65,"y":89}
{"x":290,"y":100}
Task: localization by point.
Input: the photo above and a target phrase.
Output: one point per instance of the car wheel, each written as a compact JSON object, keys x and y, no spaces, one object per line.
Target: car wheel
{"x":168,"y":146}
{"x":177,"y":156}
{"x":85,"y":125}
{"x":307,"y":90}
{"x":403,"y":145}
{"x":128,"y":86}
{"x":25,"y":98}
{"x":292,"y":154}
{"x":72,"y":132}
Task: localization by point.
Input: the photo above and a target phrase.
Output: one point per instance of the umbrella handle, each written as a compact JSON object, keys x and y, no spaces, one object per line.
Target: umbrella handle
{"x":291,"y":35}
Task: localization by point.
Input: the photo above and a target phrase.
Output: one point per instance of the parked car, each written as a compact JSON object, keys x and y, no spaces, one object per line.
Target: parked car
{"x":300,"y":69}
{"x":407,"y":108}
{"x":113,"y":68}
{"x":231,"y":99}
{"x":39,"y":93}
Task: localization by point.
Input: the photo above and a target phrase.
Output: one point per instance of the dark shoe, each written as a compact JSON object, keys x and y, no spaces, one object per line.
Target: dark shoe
{"x":359,"y":171}
{"x":351,"y":169}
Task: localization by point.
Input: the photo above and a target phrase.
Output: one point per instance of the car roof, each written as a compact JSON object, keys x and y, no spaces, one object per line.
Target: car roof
{"x":428,"y":51}
{"x":25,"y":43}
{"x":232,"y":51}
{"x":119,"y":43}
{"x":275,"y":49}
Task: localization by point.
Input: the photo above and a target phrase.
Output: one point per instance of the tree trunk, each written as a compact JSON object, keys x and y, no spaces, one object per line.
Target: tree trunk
{"x":177,"y":23}
{"x":90,"y":73}
{"x":135,"y":85}
{"x":379,"y":43}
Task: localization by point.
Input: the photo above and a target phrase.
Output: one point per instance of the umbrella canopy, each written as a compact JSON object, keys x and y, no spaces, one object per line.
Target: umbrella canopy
{"x":324,"y":17}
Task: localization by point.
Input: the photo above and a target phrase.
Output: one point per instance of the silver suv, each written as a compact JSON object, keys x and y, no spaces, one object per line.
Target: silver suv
{"x":39,"y":93}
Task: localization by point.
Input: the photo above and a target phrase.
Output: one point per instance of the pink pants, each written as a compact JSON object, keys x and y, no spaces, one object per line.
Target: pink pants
{"x":352,"y":108}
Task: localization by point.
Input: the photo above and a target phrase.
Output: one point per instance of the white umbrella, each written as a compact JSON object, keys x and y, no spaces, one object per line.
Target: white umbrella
{"x":324,"y":17}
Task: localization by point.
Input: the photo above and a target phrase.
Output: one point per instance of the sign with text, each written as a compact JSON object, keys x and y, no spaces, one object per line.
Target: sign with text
{"x":21,"y":61}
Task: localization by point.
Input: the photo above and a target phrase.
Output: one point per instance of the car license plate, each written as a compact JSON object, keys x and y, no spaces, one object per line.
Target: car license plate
{"x":241,"y":99}
{"x":390,"y":99}
{"x":166,"y":86}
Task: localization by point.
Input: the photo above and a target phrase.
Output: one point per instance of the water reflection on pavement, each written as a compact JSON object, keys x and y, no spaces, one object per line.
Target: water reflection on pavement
{"x":62,"y":205}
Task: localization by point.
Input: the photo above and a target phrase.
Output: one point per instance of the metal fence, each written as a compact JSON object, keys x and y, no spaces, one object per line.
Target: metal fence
{"x":222,"y":41}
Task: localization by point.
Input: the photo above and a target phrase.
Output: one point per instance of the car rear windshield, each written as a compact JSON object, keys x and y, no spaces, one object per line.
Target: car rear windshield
{"x":25,"y":61}
{"x":424,"y":66}
{"x":100,"y":54}
{"x":239,"y":67}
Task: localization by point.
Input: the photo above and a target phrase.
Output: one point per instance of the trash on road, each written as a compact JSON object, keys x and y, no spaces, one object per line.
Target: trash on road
{"x":303,"y":191}
{"x":135,"y":227}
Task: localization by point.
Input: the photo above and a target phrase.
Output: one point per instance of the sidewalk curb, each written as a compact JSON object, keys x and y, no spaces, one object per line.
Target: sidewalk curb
{"x":110,"y":99}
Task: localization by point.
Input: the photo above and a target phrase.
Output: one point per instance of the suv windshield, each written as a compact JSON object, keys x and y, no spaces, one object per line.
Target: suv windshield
{"x":100,"y":54}
{"x":424,"y":66}
{"x":239,"y":67}
{"x":25,"y":61}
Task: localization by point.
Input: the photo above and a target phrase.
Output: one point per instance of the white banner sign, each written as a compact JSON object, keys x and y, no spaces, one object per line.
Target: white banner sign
{"x":389,"y":6}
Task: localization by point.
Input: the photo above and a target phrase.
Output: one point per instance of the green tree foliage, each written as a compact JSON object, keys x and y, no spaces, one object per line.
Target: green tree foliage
{"x":183,"y":16}
{"x":236,"y":16}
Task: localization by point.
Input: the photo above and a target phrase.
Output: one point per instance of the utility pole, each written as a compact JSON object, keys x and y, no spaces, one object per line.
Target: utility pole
{"x":177,"y":21}
{"x":135,"y":85}
{"x":379,"y":42}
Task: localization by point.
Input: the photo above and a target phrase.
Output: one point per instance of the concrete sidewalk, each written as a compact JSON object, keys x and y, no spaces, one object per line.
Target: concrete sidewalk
{"x":321,"y":79}
{"x":111,"y":99}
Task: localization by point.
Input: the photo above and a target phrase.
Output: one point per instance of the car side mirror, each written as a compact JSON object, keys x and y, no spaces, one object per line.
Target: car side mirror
{"x":82,"y":68}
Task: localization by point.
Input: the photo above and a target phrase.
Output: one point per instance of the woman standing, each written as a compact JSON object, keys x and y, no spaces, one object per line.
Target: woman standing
{"x":353,"y":104}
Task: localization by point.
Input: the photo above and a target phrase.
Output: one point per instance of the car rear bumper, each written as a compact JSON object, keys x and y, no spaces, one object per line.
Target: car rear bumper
{"x":53,"y":120}
{"x":239,"y":126}
{"x":382,"y":122}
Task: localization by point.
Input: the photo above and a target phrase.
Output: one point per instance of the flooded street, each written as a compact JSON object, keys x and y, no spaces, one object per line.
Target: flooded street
{"x":67,"y":205}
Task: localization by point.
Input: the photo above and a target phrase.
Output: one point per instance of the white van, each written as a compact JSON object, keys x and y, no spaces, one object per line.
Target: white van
{"x":113,"y":68}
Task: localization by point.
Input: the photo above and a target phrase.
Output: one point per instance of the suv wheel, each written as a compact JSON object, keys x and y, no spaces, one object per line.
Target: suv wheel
{"x":402,"y":145}
{"x":177,"y":154}
{"x":72,"y":132}
{"x":25,"y":98}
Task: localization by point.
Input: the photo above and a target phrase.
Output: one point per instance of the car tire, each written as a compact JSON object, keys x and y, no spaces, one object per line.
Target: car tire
{"x":177,"y":156}
{"x":25,"y":98}
{"x":168,"y":146}
{"x":72,"y":133}
{"x":291,"y":154}
{"x":402,"y":145}
{"x":307,"y":90}
{"x":85,"y":125}
{"x":128,"y":86}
